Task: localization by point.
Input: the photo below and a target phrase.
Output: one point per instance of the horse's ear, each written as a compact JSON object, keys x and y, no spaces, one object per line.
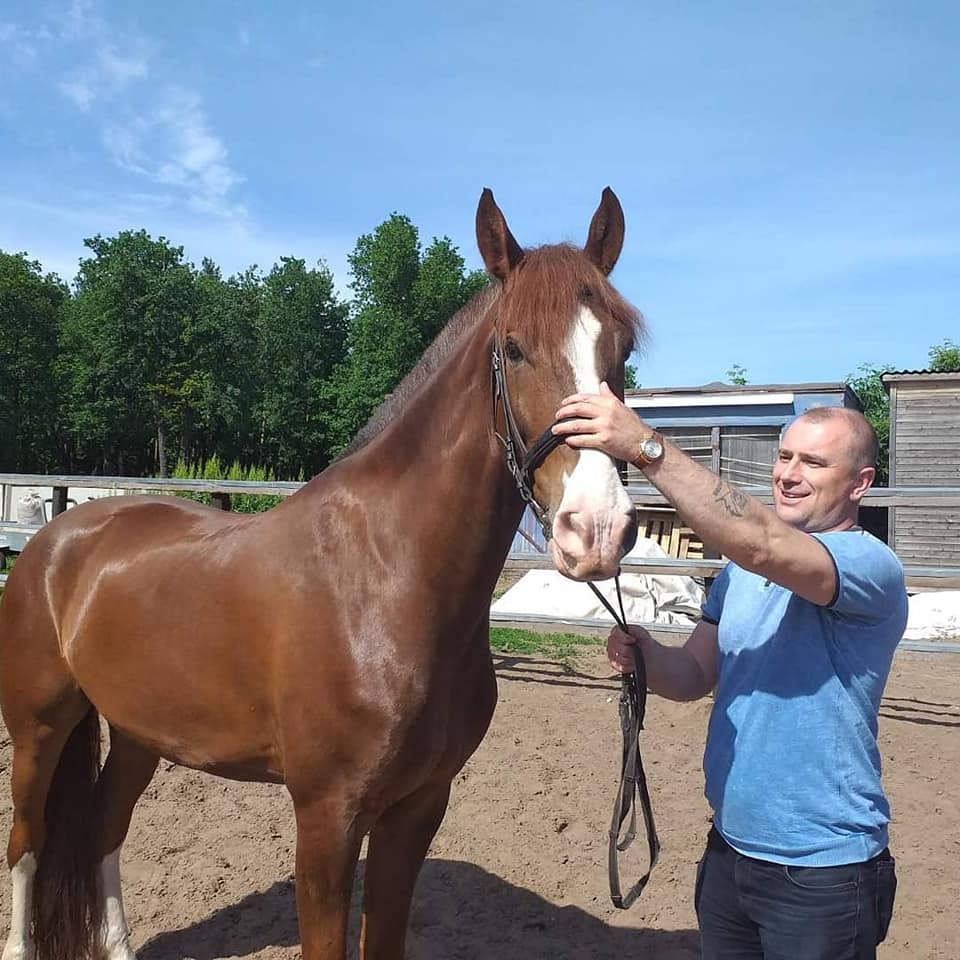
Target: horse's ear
{"x":500,"y":252}
{"x":605,"y":240}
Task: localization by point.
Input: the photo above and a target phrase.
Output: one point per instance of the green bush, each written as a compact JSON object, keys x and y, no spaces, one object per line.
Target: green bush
{"x":212,"y":469}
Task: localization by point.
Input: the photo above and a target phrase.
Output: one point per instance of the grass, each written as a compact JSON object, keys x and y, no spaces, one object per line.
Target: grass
{"x":558,"y":646}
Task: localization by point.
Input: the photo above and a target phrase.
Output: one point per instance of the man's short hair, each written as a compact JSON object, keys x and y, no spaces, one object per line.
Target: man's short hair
{"x":864,"y":445}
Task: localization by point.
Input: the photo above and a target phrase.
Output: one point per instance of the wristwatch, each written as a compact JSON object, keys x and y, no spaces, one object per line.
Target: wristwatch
{"x":651,"y":450}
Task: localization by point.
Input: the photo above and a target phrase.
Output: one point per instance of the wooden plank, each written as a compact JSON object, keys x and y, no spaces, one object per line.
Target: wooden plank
{"x":152,"y":484}
{"x":59,"y":504}
{"x":931,"y":517}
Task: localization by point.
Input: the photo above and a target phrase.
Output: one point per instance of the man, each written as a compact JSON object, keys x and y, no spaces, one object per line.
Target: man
{"x":796,"y":640}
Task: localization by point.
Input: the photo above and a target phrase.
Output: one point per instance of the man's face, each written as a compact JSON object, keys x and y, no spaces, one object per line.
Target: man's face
{"x":814,"y":478}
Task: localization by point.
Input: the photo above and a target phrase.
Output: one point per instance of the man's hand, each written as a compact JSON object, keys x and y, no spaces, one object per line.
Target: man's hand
{"x":601,"y":422}
{"x":621,"y":646}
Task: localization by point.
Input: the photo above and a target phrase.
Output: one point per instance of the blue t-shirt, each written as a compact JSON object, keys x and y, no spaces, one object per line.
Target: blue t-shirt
{"x":791,"y":761}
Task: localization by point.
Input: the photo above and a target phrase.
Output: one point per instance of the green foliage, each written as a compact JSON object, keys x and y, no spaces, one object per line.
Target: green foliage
{"x":301,"y":336}
{"x":630,"y":377}
{"x":402,"y":299}
{"x":126,"y":361}
{"x":737,"y":375}
{"x":945,"y":357}
{"x":212,"y":469}
{"x":876,"y":408}
{"x":151,"y":360}
{"x":31,"y":313}
{"x":222,"y":379}
{"x":558,"y":646}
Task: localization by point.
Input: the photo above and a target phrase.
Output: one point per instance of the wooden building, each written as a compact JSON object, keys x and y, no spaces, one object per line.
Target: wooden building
{"x":924,"y":452}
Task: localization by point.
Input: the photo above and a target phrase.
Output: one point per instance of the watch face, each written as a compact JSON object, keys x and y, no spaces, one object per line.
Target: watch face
{"x":652,"y":449}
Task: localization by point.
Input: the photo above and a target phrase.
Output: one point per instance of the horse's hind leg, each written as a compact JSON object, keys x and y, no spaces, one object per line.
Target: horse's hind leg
{"x":398,"y":844}
{"x":128,"y":770}
{"x":39,"y":735}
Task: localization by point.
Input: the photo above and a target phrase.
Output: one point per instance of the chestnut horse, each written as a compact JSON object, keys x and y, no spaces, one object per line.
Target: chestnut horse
{"x":355,"y":667}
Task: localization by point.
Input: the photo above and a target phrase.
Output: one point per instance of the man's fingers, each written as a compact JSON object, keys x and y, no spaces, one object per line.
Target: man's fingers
{"x":570,"y":427}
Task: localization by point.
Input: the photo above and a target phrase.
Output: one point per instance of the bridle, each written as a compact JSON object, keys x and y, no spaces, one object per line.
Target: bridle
{"x":522,"y":463}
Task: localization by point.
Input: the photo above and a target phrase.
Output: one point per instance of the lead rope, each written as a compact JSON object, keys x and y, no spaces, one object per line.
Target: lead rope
{"x":633,"y":779}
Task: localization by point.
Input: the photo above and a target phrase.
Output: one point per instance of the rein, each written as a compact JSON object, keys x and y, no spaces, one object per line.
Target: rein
{"x":522,"y":464}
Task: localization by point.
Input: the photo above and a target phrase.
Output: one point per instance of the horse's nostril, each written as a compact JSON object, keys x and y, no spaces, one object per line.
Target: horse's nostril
{"x":572,"y":521}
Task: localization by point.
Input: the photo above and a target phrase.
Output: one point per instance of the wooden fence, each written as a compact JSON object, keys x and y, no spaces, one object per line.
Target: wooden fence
{"x":925,"y":577}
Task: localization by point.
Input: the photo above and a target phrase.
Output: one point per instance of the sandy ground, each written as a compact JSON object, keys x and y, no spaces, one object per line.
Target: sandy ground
{"x":518,"y":868}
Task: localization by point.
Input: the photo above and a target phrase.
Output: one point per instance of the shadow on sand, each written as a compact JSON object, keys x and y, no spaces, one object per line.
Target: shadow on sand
{"x":460,"y":911}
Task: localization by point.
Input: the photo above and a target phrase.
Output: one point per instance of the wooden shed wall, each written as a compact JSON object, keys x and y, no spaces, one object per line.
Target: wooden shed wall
{"x":925,"y":447}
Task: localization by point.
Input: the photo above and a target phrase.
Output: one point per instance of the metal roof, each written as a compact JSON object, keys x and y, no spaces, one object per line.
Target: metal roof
{"x":900,"y":376}
{"x":729,"y":388}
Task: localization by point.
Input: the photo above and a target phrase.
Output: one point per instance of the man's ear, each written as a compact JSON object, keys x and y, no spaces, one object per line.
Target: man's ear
{"x":865,"y":478}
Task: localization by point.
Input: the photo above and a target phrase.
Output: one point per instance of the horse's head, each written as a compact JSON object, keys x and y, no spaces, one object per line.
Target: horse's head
{"x":562,"y":329}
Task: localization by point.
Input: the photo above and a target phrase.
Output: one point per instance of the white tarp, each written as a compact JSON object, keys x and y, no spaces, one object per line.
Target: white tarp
{"x":934,"y":616}
{"x":647,"y":598}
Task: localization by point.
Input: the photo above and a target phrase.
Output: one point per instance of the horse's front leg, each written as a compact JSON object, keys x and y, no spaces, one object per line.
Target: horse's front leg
{"x":395,"y":853}
{"x":328,"y":844}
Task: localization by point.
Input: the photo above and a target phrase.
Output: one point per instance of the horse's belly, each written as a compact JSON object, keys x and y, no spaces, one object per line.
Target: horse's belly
{"x":190,"y":699}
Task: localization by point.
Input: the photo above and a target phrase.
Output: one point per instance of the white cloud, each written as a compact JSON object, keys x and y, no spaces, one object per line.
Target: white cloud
{"x":80,"y":91}
{"x":157,"y":130}
{"x":18,"y":45}
{"x":173,"y":145}
{"x":119,"y":70}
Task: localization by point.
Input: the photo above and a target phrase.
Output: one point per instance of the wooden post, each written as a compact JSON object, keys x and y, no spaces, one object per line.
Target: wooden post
{"x":221,"y":500}
{"x":59,"y":504}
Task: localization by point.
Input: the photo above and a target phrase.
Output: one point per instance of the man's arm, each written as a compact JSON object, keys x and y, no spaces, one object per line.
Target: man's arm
{"x":745,"y":530}
{"x":677,"y":673}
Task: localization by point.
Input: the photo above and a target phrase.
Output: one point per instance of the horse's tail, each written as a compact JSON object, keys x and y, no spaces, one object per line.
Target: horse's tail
{"x":67,"y":913}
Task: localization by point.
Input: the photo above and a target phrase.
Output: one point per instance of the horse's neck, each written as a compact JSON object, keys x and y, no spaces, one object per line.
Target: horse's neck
{"x":442,"y":473}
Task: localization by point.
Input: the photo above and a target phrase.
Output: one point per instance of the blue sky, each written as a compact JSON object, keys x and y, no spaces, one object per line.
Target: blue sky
{"x":789,"y":172}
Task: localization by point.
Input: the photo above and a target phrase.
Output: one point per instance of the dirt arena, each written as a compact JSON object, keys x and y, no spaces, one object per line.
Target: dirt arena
{"x":518,"y":869}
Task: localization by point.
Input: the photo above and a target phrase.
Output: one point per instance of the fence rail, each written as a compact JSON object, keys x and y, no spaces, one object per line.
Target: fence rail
{"x":918,"y":577}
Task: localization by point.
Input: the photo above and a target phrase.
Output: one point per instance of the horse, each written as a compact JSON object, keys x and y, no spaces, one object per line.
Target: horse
{"x":355,"y":669}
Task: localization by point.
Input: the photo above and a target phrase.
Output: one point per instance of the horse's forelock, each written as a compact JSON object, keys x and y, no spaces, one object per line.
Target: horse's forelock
{"x":550,"y":282}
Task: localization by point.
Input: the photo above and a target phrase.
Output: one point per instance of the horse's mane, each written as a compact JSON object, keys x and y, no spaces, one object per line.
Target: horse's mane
{"x":444,"y":342}
{"x":548,"y":283}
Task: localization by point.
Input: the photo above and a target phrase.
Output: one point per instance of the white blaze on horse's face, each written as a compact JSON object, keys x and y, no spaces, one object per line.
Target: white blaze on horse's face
{"x":594,"y":525}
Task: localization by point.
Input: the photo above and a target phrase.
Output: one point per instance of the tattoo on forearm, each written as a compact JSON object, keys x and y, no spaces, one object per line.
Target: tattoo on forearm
{"x":733,"y":500}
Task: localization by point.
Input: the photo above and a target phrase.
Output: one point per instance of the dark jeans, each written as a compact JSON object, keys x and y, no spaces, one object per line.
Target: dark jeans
{"x":755,"y":910}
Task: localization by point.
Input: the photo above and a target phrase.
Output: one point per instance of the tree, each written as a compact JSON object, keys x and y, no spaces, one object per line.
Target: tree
{"x":441,"y":288}
{"x":31,"y":313}
{"x":402,"y":299}
{"x":945,"y":357}
{"x":222,"y":379}
{"x":876,"y":408}
{"x":126,"y":357}
{"x":301,"y":338}
{"x":630,"y":377}
{"x":737,"y":375}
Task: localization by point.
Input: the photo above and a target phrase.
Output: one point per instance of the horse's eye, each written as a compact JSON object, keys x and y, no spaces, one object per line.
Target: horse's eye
{"x":586,"y":293}
{"x":513,"y":352}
